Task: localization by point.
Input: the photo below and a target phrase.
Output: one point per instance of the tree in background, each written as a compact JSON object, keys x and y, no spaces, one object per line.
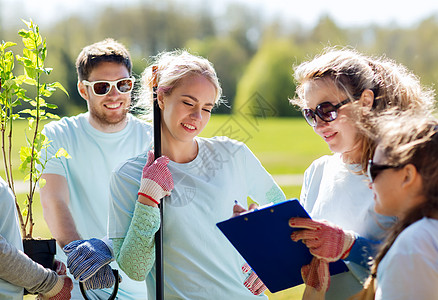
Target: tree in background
{"x":231,"y":39}
{"x":268,"y":78}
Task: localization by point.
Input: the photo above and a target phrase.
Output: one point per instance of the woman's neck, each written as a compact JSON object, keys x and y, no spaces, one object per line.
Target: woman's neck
{"x":180,"y":152}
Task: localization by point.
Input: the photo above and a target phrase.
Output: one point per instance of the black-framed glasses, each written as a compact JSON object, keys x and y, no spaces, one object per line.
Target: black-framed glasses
{"x":325,"y":111}
{"x":103,"y":87}
{"x":375,"y":169}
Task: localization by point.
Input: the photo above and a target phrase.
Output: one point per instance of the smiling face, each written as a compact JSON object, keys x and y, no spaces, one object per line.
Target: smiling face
{"x":107,"y":113}
{"x":341,"y":135}
{"x":386,"y":187}
{"x":187,"y":109}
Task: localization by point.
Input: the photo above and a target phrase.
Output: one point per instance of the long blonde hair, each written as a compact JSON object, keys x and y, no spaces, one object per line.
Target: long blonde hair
{"x":352,"y":73}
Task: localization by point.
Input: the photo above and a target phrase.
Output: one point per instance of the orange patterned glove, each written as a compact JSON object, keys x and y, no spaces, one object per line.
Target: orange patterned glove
{"x":316,"y":274}
{"x":253,"y":282}
{"x":325,"y":241}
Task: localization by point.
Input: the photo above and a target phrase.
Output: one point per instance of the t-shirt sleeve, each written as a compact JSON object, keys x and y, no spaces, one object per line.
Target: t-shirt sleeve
{"x":124,"y":185}
{"x":262,"y":187}
{"x":408,"y":277}
{"x":53,"y":165}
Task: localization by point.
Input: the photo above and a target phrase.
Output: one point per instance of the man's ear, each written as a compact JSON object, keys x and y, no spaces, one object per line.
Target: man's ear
{"x":367,"y":98}
{"x":82,"y":89}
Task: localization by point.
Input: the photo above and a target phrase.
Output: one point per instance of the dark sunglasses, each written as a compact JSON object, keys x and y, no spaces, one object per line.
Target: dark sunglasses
{"x":103,"y":87}
{"x":375,"y":169}
{"x":325,"y":111}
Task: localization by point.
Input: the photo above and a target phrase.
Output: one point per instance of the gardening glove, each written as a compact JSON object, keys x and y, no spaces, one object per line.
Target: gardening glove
{"x":253,"y":282}
{"x":316,"y":276}
{"x":156,"y":180}
{"x":61,"y":290}
{"x":325,"y":241}
{"x":104,"y":278}
{"x":86,"y":257}
{"x":60,"y":267}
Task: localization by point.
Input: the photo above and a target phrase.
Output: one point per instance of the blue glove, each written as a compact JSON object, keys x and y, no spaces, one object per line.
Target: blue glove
{"x":86,"y":257}
{"x":104,"y":278}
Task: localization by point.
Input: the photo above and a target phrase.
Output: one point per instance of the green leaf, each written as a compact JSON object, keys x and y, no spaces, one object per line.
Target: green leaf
{"x":52,"y":116}
{"x":23,"y":33}
{"x":25,"y":153}
{"x":62,"y":153}
{"x":29,"y":24}
{"x":59,"y":86}
{"x":25,"y":211}
{"x":51,"y":106}
{"x":42,"y":182}
{"x":7,"y":45}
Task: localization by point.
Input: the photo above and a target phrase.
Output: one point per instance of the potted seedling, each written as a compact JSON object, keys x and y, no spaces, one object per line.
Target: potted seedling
{"x":19,"y":103}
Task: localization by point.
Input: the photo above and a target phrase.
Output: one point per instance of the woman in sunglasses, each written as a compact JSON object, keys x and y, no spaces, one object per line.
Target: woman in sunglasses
{"x":404,"y":176}
{"x":203,"y":176}
{"x":338,"y":92}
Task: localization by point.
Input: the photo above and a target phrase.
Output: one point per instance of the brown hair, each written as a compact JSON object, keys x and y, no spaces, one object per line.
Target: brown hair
{"x":411,"y":139}
{"x":406,"y":138}
{"x":352,"y":73}
{"x":107,"y":50}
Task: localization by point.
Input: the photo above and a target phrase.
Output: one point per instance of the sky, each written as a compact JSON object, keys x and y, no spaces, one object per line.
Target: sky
{"x":306,"y":12}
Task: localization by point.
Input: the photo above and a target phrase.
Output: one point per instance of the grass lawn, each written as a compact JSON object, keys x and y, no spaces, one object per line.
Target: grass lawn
{"x":284,"y":146}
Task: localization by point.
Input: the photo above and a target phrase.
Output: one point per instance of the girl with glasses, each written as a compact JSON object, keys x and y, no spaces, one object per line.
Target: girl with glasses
{"x":202,"y":178}
{"x":338,"y":91}
{"x":406,"y":266}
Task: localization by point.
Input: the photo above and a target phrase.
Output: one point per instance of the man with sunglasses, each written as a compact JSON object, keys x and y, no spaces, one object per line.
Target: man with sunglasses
{"x":75,"y":196}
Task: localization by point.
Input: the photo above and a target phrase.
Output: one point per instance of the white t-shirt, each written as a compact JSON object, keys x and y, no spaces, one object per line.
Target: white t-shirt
{"x":199,"y":262}
{"x":94,"y":154}
{"x":10,"y":231}
{"x":410,"y":268}
{"x":333,"y":192}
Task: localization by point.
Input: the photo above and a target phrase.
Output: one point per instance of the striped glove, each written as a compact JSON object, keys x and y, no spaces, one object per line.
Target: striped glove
{"x":253,"y":282}
{"x":86,"y":257}
{"x":325,"y":241}
{"x":103,"y":278}
{"x":156,"y":181}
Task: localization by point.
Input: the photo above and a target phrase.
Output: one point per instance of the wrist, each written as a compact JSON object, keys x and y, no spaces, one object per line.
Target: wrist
{"x":350,"y":237}
{"x":56,"y":288}
{"x":147,"y":200}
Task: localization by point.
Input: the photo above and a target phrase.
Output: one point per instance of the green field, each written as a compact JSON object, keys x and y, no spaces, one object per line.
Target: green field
{"x":284,"y":146}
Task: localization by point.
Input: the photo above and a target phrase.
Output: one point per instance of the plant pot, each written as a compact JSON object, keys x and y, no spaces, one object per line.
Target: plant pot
{"x":41,"y":251}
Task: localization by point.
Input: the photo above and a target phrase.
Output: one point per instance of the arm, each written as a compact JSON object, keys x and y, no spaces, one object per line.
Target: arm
{"x":54,"y":199}
{"x":363,"y":251}
{"x":135,"y":253}
{"x":20,"y":270}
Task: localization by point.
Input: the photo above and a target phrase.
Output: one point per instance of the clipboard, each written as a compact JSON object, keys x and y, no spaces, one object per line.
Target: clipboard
{"x":262,"y":237}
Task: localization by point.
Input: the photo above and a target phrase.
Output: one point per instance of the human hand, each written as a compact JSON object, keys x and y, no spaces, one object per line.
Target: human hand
{"x":61,"y":290}
{"x":325,"y":241}
{"x":86,"y":257}
{"x":104,"y":278}
{"x":156,"y":181}
{"x":316,"y":275}
{"x":60,"y":267}
{"x":253,"y":282}
{"x":239,"y":209}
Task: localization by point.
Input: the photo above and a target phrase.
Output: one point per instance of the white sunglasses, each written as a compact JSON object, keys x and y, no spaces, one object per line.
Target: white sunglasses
{"x":103,"y":87}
